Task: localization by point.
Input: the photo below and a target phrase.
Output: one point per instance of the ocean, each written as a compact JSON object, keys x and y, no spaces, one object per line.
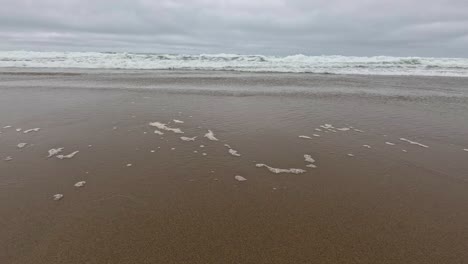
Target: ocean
{"x":376,"y":65}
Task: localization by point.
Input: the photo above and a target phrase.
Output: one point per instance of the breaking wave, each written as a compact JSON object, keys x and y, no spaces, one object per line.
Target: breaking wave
{"x":377,"y":65}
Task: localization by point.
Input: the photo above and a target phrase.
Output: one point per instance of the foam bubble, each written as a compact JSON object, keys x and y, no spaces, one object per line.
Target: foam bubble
{"x":178,"y":121}
{"x":129,"y":165}
{"x":234,"y":152}
{"x":204,"y":154}
{"x":240,"y":178}
{"x":162,"y":126}
{"x":318,"y":129}
{"x":465,"y":149}
{"x":54,"y":151}
{"x":413,"y":142}
{"x":316,"y":135}
{"x":210,"y":135}
{"x":308,"y":158}
{"x":18,"y":129}
{"x":188,"y":138}
{"x":366,"y":146}
{"x":277,"y":170}
{"x":8,"y":158}
{"x":390,"y":143}
{"x":351,"y":155}
{"x":80,"y":184}
{"x":158,"y":132}
{"x":69,"y":156}
{"x":202,"y":146}
{"x":21,"y":145}
{"x":343,"y":129}
{"x":358,"y":130}
{"x":31,"y":130}
{"x":306,"y":137}
{"x":6,"y":126}
{"x":57,"y":196}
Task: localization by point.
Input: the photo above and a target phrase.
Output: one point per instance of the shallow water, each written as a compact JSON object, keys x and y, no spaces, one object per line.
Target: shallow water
{"x":175,"y":205}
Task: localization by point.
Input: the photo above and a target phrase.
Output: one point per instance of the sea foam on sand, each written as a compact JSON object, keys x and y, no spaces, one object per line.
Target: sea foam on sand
{"x":165,"y":127}
{"x":69,"y":156}
{"x":80,"y":184}
{"x":31,"y":130}
{"x":188,"y":138}
{"x":413,"y":142}
{"x":277,"y":170}
{"x":240,"y":178}
{"x":54,"y":151}
{"x":232,"y":151}
{"x":57,"y":196}
{"x":210,"y":135}
{"x":308,"y":158}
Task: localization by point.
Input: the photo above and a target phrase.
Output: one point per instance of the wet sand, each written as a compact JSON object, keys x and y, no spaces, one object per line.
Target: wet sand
{"x":394,"y":202}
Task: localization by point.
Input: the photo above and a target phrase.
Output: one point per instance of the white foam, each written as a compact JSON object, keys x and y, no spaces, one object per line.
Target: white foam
{"x":202,"y":146}
{"x":178,"y":121}
{"x":204,"y":154}
{"x":158,"y":132}
{"x":80,"y":184}
{"x":6,"y":126}
{"x":343,"y":129}
{"x":308,"y":158}
{"x":372,"y":65}
{"x":413,"y":142}
{"x":316,"y":135}
{"x":57,"y":196}
{"x":358,"y":130}
{"x":8,"y":158}
{"x":404,"y":150}
{"x":351,"y":155}
{"x":129,"y":165}
{"x":165,"y":127}
{"x":277,"y":170}
{"x":195,"y":151}
{"x":21,"y":145}
{"x":114,"y":128}
{"x":31,"y":130}
{"x":306,"y":137}
{"x":54,"y":151}
{"x":240,"y":178}
{"x":318,"y":129}
{"x":390,"y":143}
{"x":18,"y":129}
{"x":366,"y":146}
{"x":234,"y":152}
{"x":465,"y":149}
{"x":172,"y":148}
{"x":69,"y":156}
{"x":188,"y":138}
{"x":210,"y":135}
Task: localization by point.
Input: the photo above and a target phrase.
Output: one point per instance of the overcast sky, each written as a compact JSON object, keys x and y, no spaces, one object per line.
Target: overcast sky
{"x":279,"y":27}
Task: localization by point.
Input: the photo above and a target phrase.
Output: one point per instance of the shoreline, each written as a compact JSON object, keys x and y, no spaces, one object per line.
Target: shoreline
{"x":388,"y":181}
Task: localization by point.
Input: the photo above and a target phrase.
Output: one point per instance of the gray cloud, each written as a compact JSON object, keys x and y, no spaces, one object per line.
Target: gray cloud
{"x":313,"y":27}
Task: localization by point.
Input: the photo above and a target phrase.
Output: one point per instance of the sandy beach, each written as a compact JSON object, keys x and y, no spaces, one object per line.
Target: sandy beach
{"x":335,"y":168}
